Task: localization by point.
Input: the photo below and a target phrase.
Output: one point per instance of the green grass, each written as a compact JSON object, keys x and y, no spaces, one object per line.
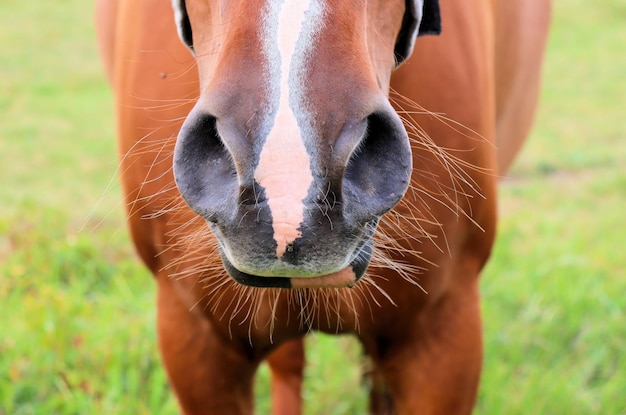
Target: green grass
{"x":77,"y":310}
{"x":555,"y":313}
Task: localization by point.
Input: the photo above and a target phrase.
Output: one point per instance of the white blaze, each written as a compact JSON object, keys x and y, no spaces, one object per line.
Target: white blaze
{"x":284,"y":163}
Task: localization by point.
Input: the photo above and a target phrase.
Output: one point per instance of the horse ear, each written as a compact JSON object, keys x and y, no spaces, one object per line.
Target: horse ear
{"x":182,"y":23}
{"x":421,"y":17}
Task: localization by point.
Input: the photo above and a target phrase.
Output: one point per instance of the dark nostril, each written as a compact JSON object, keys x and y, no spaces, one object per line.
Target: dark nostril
{"x":203,"y":166}
{"x":201,"y":139}
{"x":379,"y":169}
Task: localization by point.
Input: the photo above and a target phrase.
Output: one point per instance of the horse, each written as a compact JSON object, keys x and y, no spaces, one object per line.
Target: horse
{"x":319,"y":165}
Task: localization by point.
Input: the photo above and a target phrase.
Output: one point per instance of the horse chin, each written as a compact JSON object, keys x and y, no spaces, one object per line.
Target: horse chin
{"x":344,"y":278}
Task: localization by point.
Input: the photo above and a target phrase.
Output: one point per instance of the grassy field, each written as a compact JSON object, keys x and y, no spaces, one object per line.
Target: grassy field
{"x":77,"y":315}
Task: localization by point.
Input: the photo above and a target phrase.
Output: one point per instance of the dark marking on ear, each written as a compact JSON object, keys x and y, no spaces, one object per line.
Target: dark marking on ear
{"x":182,"y":23}
{"x":431,"y":19}
{"x":420,"y":18}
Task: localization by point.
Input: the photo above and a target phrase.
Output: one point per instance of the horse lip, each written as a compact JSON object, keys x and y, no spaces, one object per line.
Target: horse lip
{"x":344,"y":278}
{"x":340,"y":279}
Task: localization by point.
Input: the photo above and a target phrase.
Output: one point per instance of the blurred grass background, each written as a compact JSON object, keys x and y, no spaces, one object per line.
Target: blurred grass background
{"x":77,"y":312}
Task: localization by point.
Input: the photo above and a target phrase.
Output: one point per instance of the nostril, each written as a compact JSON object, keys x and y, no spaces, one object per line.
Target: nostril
{"x":379,"y":169}
{"x":203,"y":166}
{"x":200,"y":138}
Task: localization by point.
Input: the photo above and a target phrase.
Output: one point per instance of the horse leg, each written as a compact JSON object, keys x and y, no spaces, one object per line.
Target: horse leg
{"x":434,"y":367}
{"x":209,"y":373}
{"x":287,"y":366}
{"x":380,"y":402}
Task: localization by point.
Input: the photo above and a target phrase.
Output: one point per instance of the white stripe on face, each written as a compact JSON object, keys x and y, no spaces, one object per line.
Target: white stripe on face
{"x":284,"y":163}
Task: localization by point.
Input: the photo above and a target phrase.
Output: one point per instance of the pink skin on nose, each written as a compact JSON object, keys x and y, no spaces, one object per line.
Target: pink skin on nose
{"x":284,"y":172}
{"x":284,"y":164}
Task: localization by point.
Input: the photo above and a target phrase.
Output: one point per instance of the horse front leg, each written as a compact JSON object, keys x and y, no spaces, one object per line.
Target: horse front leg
{"x":432,"y":368}
{"x":287,"y":371}
{"x":210,"y":373}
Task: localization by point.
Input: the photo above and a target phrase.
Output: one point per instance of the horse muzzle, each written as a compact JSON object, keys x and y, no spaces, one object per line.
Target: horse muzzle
{"x":293,"y":218}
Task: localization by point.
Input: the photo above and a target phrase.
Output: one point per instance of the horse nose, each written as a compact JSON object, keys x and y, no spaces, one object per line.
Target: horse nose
{"x":356,"y":170}
{"x":378,"y":168}
{"x":204,"y":170}
{"x":368,"y":169}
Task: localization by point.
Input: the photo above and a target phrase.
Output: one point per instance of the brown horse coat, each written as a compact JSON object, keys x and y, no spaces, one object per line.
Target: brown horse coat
{"x":467,"y":99}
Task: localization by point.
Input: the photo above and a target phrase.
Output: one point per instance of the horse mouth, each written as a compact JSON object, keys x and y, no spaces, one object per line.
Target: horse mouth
{"x":344,"y":278}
